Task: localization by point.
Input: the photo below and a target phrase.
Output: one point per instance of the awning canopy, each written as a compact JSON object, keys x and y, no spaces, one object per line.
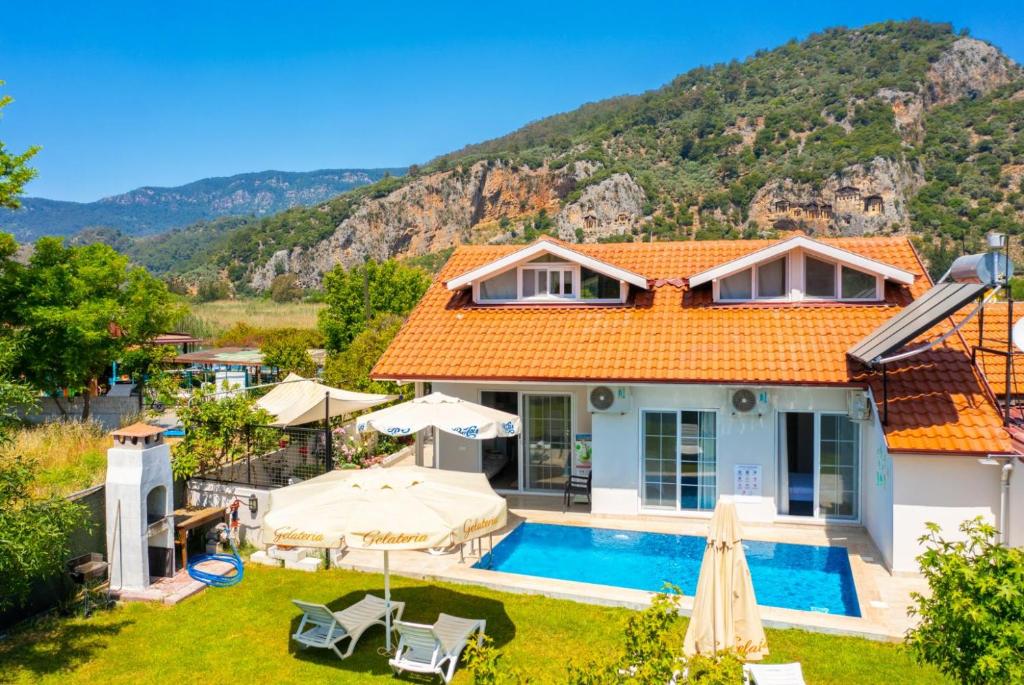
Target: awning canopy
{"x":923,"y":313}
{"x":297,"y":400}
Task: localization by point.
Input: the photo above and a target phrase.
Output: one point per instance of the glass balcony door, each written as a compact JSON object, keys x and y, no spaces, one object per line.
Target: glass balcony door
{"x":548,"y":441}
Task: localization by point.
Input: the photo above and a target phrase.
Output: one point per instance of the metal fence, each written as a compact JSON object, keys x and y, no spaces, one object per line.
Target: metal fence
{"x":276,"y":457}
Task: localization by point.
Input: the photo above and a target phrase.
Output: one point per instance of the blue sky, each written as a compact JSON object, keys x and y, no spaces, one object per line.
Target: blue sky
{"x":123,"y":94}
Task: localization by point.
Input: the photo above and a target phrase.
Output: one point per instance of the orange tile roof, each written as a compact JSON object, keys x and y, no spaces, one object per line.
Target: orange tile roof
{"x":671,"y":334}
{"x":993,"y":366}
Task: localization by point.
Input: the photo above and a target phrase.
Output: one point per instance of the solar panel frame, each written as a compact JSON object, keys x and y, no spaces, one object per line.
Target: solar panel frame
{"x":938,"y":303}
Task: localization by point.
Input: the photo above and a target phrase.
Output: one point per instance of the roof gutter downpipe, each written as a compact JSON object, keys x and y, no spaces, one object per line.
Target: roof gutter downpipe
{"x":1005,"y":473}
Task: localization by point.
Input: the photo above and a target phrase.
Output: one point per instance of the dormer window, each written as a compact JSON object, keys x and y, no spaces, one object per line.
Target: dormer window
{"x":800,"y":269}
{"x":548,"y":272}
{"x":819,"y":278}
{"x":765,"y":281}
{"x":543,"y":280}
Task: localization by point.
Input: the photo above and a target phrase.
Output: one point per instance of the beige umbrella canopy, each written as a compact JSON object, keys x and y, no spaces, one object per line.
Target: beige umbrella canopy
{"x":297,"y":400}
{"x":725,"y":614}
{"x":397,"y":508}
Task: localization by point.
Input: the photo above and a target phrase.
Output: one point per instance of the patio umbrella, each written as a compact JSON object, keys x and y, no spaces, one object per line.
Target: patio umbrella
{"x":297,"y":400}
{"x":396,"y":508}
{"x":450,"y":414}
{"x":725,"y":614}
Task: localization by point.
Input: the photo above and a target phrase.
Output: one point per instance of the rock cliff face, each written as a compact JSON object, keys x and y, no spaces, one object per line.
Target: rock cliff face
{"x":969,"y":68}
{"x":612,"y":207}
{"x":862,"y":199}
{"x":428,"y":214}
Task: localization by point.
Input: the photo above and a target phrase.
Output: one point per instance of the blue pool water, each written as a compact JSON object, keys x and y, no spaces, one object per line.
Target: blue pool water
{"x":789,"y":576}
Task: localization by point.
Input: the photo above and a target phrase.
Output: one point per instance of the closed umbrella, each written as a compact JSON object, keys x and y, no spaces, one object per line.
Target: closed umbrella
{"x":450,"y":414}
{"x":397,"y":508}
{"x":725,"y":614}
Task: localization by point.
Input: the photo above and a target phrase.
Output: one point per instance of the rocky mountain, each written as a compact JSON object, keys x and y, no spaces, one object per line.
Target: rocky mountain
{"x":152,"y":209}
{"x":898,"y":127}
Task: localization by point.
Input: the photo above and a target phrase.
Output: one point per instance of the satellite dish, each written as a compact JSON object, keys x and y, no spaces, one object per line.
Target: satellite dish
{"x":1017,"y":335}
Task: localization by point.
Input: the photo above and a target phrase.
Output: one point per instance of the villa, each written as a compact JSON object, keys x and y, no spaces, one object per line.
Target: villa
{"x":674,"y":373}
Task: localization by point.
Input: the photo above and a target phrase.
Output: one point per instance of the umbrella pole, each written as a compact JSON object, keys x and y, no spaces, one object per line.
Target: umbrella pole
{"x":437,"y":455}
{"x":387,"y":604}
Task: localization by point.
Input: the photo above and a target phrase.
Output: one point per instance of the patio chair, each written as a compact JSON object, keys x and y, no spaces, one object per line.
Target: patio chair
{"x":434,"y":649}
{"x":323,"y":628}
{"x":577,"y":485}
{"x":773,"y":674}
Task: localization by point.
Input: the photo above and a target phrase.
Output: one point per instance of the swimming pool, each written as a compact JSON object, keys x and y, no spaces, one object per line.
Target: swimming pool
{"x":800,"y":577}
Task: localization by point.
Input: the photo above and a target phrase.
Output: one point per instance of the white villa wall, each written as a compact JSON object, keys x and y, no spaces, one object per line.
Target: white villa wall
{"x":877,"y":489}
{"x":1016,"y":513}
{"x":742,"y":439}
{"x":946,"y":490}
{"x":462,"y":454}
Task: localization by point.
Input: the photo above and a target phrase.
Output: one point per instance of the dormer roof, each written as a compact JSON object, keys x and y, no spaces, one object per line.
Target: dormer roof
{"x":546,"y":245}
{"x":887,"y":271}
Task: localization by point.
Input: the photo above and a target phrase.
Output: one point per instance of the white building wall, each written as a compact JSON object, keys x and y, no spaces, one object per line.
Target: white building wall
{"x":877,"y":489}
{"x":1016,"y":513}
{"x":946,"y":490}
{"x":462,"y":454}
{"x":742,"y":439}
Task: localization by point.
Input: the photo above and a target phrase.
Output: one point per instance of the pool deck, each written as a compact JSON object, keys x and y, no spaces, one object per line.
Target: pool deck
{"x":883,"y":597}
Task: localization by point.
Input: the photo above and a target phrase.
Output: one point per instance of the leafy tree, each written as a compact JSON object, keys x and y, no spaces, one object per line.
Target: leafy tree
{"x":285,"y":288}
{"x":147,"y":365}
{"x":350,"y":368}
{"x":354,"y":296}
{"x":35,"y":532}
{"x":972,"y":619}
{"x":14,"y":169}
{"x":287,"y":351}
{"x":79,"y":309}
{"x":213,"y":288}
{"x":220,"y":429}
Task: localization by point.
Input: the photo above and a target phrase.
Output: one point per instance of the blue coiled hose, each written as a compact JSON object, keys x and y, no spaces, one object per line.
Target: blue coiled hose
{"x":213,"y":579}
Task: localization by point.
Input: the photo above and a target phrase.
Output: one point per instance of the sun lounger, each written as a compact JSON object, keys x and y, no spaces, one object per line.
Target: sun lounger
{"x":434,"y":649}
{"x":774,"y":674}
{"x":323,"y":628}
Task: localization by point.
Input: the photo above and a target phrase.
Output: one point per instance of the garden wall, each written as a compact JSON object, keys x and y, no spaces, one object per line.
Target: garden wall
{"x":110,"y":412}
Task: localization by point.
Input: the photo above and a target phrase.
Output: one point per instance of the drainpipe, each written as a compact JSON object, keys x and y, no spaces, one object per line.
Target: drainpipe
{"x":1006,"y":461}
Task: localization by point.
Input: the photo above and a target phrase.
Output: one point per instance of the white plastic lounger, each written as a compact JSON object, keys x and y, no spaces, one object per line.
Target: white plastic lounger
{"x":321,"y":627}
{"x":774,"y":674}
{"x":434,"y":649}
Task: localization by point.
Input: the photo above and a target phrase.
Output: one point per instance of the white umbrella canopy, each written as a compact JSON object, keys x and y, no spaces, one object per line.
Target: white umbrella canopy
{"x":297,"y":400}
{"x":725,"y":614}
{"x":396,"y":508}
{"x":400,"y":507}
{"x":450,"y":414}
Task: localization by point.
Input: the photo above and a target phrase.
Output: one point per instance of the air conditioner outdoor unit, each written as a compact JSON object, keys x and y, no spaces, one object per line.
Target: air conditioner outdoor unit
{"x":749,"y":401}
{"x":609,"y":399}
{"x":858,"y":405}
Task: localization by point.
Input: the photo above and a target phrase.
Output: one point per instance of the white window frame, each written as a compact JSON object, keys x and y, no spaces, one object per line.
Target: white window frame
{"x":796,"y":281}
{"x":678,"y":509}
{"x":815,"y":516}
{"x":529,"y":269}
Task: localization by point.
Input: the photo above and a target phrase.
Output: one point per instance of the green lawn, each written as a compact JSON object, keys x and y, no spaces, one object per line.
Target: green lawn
{"x":240,"y":635}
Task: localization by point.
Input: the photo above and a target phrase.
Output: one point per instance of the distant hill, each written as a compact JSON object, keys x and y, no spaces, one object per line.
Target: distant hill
{"x":893,"y":128}
{"x":153,"y":209}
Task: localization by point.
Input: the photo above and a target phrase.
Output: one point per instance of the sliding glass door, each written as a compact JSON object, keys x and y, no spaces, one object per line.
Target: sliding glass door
{"x":548,"y":441}
{"x":838,"y":472}
{"x":680,"y":460}
{"x":819,"y":465}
